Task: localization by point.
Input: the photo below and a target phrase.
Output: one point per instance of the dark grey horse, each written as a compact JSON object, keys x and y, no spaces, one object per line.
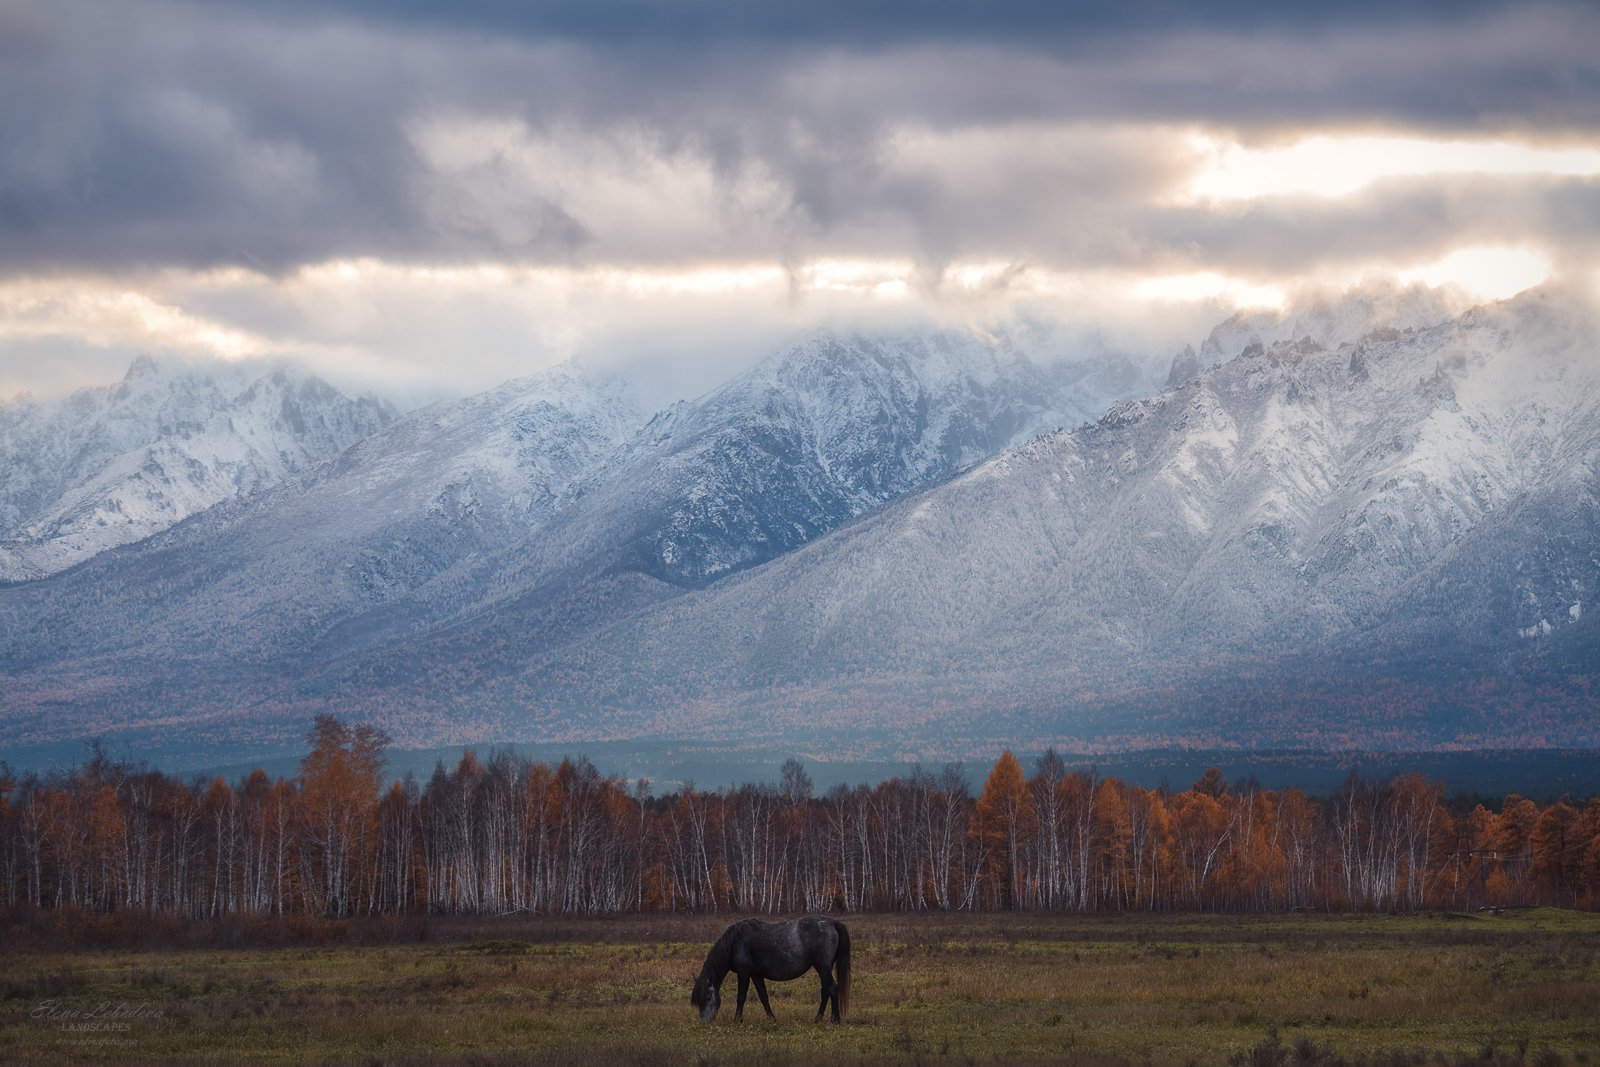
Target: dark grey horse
{"x":756,"y":950}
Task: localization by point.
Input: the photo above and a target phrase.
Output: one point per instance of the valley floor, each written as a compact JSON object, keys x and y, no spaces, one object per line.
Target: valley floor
{"x":1514,"y":987}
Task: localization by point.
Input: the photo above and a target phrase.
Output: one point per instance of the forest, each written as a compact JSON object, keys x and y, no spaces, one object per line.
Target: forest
{"x":504,"y":834}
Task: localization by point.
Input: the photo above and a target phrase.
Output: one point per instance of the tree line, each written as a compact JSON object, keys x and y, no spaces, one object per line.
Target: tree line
{"x":506,"y":834}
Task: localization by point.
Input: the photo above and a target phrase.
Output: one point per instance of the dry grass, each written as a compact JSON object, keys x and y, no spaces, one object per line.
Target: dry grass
{"x":1277,"y":991}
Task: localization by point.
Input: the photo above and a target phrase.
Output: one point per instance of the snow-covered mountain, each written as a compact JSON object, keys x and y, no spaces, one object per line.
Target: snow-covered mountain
{"x":109,"y":466}
{"x":1420,"y":496}
{"x":829,"y":428}
{"x":1333,"y":537}
{"x":548,"y":506}
{"x":348,"y":551}
{"x":1330,"y":321}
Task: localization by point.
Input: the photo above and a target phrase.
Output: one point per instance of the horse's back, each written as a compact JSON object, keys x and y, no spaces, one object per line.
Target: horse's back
{"x":785,"y":950}
{"x":818,"y":934}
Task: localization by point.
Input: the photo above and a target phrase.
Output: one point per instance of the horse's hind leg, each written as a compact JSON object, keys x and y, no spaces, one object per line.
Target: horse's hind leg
{"x":761,"y":991}
{"x":744,"y":988}
{"x":829,"y":991}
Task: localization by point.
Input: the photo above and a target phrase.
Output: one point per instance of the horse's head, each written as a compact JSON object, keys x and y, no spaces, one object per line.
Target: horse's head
{"x":706,"y":998}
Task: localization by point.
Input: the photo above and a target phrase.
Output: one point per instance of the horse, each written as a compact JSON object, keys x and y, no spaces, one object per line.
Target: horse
{"x":756,"y":951}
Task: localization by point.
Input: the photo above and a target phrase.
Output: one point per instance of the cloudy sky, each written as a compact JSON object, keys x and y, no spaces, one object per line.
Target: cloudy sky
{"x":432,"y":197}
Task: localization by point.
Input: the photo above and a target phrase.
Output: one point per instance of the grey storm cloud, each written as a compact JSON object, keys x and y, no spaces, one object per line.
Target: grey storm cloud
{"x":1419,"y":218}
{"x":876,"y":22}
{"x":150,"y":133}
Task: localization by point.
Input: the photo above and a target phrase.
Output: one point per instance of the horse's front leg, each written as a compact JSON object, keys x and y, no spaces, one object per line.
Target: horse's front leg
{"x":761,"y":991}
{"x":744,"y":988}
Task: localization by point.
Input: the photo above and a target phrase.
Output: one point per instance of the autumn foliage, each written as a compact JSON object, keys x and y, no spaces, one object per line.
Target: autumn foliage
{"x":504,"y":834}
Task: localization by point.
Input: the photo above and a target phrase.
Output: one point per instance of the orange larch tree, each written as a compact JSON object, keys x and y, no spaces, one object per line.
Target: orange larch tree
{"x":1001,"y":821}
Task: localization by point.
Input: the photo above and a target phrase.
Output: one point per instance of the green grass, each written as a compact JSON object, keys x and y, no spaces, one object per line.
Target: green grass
{"x":1521,"y":987}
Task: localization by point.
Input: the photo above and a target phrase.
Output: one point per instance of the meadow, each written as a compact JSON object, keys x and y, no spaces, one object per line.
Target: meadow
{"x":1509,"y":987}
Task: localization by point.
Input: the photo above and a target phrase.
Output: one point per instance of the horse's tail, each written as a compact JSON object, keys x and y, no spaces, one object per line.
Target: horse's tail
{"x":842,"y":958}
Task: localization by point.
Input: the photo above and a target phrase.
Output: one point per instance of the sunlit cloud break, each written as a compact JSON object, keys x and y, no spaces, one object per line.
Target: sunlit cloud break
{"x":1209,"y":286}
{"x":469,"y":193}
{"x":108,"y":315}
{"x":1331,"y":166}
{"x":1487,"y":273}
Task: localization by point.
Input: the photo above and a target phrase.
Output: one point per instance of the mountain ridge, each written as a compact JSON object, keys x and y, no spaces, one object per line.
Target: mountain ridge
{"x":797,"y":547}
{"x":113,"y":465}
{"x":550,"y":490}
{"x":1405,"y":531}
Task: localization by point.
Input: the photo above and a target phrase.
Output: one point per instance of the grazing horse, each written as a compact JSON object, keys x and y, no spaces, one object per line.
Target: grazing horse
{"x":756,"y":950}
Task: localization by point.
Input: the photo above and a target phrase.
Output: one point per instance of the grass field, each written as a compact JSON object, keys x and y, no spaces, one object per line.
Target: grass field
{"x":1518,"y":987}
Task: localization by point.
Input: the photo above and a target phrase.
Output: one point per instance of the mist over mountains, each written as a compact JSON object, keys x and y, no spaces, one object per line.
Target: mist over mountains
{"x":1370,"y":522}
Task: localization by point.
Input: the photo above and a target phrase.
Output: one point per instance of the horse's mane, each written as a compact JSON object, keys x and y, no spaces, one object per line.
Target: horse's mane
{"x":717,"y":960}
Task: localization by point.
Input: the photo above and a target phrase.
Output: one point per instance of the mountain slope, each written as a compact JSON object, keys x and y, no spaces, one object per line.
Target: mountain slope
{"x":827,"y":429}
{"x":515,"y":522}
{"x":1388,"y":541}
{"x":388,"y":519}
{"x":1422,"y":496}
{"x":110,"y":466}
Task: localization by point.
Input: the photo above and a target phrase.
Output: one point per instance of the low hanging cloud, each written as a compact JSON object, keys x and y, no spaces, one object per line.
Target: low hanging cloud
{"x":284,"y":174}
{"x":155,"y":133}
